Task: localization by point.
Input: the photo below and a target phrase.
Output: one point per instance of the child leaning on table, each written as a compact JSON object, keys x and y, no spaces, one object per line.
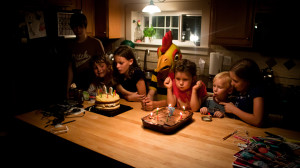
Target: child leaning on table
{"x":184,"y":90}
{"x":221,"y":88}
{"x":131,"y":80}
{"x":247,"y":83}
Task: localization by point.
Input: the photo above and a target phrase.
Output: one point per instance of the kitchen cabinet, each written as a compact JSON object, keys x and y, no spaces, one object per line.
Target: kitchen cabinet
{"x":87,"y":7}
{"x":65,"y":4}
{"x":232,"y":22}
{"x":108,"y":19}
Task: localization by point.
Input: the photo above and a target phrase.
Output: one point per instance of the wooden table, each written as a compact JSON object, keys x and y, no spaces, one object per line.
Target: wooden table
{"x":123,"y":138}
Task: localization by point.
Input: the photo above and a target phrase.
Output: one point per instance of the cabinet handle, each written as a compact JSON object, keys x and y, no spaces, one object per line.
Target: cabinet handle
{"x":104,"y":32}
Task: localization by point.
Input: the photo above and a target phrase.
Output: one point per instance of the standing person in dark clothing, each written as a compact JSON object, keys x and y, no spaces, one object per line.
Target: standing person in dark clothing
{"x":81,"y":51}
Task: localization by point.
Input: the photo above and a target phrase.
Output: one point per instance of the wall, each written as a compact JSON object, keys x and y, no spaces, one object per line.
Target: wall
{"x":281,"y":73}
{"x":191,"y":53}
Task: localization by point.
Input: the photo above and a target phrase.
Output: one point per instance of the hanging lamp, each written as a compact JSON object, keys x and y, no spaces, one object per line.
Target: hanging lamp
{"x":151,"y":8}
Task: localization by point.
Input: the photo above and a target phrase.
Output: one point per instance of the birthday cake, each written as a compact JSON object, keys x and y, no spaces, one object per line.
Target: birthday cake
{"x":167,"y":119}
{"x":107,"y":101}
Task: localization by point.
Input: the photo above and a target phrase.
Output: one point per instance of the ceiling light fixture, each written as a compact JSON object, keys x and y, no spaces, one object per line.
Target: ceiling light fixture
{"x":151,"y":8}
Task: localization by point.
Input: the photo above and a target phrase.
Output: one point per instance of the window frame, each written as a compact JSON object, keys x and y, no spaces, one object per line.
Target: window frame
{"x":165,"y":28}
{"x":179,"y":42}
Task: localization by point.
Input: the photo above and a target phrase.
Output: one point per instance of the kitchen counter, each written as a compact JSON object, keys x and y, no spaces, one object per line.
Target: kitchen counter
{"x":123,"y":138}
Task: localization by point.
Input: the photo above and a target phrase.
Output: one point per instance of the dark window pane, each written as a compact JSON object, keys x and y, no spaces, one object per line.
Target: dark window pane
{"x":167,"y":21}
{"x":175,"y":34}
{"x":146,"y":21}
{"x":174,"y":21}
{"x":191,"y":25}
{"x":159,"y":33}
{"x":154,"y":21}
{"x":160,"y":21}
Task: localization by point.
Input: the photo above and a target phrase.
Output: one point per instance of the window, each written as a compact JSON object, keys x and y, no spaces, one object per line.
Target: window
{"x":191,"y":28}
{"x":185,"y":26}
{"x":163,"y":24}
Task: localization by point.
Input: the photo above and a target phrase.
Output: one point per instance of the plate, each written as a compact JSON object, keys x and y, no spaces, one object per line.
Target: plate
{"x":122,"y":109}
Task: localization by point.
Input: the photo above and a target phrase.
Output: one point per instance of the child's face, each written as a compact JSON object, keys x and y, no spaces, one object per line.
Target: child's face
{"x":220,"y":89}
{"x":100,"y":69}
{"x":183,"y":80}
{"x":239,"y":84}
{"x":122,"y":64}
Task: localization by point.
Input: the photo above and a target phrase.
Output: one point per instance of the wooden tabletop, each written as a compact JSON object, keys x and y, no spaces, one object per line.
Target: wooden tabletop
{"x":123,"y":138}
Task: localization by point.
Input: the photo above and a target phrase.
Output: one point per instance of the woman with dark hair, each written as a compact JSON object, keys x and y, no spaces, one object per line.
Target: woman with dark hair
{"x":128,"y":75}
{"x":247,"y":82}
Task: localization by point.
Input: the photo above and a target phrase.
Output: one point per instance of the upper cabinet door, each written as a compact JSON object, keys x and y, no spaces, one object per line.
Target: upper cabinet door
{"x":89,"y":11}
{"x":232,"y":22}
{"x":108,"y":19}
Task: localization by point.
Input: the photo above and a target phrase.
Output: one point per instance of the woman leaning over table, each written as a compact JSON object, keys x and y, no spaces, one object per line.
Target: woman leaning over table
{"x":247,"y":82}
{"x":129,"y":76}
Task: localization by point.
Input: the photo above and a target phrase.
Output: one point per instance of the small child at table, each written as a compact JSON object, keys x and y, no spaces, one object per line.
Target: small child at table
{"x":184,"y":90}
{"x":221,"y":88}
{"x":103,"y":74}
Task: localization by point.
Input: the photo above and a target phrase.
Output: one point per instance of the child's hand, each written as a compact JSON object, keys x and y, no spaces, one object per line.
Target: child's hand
{"x":168,"y":83}
{"x":197,"y":85}
{"x":203,"y":110}
{"x":229,"y":107}
{"x":219,"y":114}
{"x":147,"y":104}
{"x":134,"y":97}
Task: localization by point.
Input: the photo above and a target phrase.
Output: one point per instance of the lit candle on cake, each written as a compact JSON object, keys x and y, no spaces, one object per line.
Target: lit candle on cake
{"x":157,"y":111}
{"x":111,"y":90}
{"x":180,"y":115}
{"x":151,"y":115}
{"x":183,"y":107}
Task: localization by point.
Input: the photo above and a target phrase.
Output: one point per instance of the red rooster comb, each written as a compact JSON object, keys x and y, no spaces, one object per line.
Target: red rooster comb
{"x":166,"y":42}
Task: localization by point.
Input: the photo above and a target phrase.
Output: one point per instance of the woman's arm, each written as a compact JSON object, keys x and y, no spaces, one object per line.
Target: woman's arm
{"x":255,"y":119}
{"x":141,"y":87}
{"x":123,"y":91}
{"x":129,"y":96}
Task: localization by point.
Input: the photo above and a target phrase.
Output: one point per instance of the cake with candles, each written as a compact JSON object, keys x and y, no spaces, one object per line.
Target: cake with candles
{"x":167,"y":119}
{"x":107,"y":100}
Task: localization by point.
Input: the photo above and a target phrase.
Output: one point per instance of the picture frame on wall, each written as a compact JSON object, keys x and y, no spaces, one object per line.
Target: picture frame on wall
{"x":35,"y":24}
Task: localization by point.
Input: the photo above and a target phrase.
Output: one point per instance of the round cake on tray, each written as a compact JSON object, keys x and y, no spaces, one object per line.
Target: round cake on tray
{"x":107,"y":101}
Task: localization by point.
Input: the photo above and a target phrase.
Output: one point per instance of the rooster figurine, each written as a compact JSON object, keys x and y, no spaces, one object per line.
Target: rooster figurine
{"x":168,"y":53}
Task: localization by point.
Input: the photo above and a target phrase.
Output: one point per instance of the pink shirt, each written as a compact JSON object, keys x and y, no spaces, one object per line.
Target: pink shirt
{"x":184,"y":97}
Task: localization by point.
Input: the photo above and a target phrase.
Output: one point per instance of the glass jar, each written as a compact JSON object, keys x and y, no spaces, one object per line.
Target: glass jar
{"x":138,"y":34}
